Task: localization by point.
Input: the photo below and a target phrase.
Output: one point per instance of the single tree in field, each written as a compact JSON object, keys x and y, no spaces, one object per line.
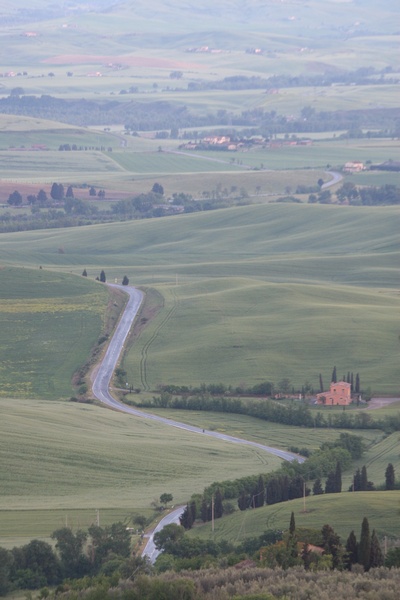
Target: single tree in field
{"x":321,"y":385}
{"x":92,"y":191}
{"x":376,"y":557}
{"x":84,"y":273}
{"x":166,"y":499}
{"x":292,"y":524}
{"x":70,"y":192}
{"x":364,"y":547}
{"x":334,"y":376}
{"x":158,"y":189}
{"x":14,"y":199}
{"x":42,"y":198}
{"x":357,"y":389}
{"x":125,"y":280}
{"x":102,"y":277}
{"x":390,"y":481}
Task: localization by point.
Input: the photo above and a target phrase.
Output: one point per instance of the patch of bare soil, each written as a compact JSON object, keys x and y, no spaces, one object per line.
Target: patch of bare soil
{"x":375,"y":403}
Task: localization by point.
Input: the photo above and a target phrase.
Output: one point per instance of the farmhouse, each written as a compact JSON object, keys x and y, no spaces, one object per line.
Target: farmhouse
{"x":338,"y":395}
{"x":353,"y":167}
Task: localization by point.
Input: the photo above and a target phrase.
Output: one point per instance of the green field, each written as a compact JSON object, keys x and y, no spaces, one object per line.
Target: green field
{"x":343,"y":512}
{"x":49,"y":323}
{"x":63,"y":461}
{"x":251,"y":293}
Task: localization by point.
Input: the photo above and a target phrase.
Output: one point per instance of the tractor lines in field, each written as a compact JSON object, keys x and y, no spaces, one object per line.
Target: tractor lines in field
{"x":145,"y":349}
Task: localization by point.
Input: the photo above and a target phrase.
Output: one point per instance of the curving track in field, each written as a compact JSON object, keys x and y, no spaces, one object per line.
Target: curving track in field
{"x":105,"y":372}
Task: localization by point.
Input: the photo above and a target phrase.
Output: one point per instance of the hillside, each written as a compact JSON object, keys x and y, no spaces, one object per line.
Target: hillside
{"x":249,"y":293}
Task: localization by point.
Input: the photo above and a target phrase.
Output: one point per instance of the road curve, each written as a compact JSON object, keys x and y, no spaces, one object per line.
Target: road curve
{"x":105,"y":371}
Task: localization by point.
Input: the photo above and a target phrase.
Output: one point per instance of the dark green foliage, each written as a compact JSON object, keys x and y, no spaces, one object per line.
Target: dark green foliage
{"x":166,"y":539}
{"x":351,"y":550}
{"x":158,"y":189}
{"x":84,"y":273}
{"x":70,"y":546}
{"x":332,"y":546}
{"x":334,"y":376}
{"x":125,"y":280}
{"x":6,"y":560}
{"x":70,"y":192}
{"x":15,"y":199}
{"x":390,"y":481}
{"x":218,"y":505}
{"x":108,"y":541}
{"x":393,"y":558}
{"x":292,"y":524}
{"x":166,"y":499}
{"x":376,"y":556}
{"x":57,"y":191}
{"x":363,"y":479}
{"x":364,"y":547}
{"x":186,"y":518}
{"x":317,"y":487}
{"x":102,"y":277}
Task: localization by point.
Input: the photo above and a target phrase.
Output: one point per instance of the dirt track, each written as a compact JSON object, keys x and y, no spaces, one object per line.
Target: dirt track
{"x":381,"y":402}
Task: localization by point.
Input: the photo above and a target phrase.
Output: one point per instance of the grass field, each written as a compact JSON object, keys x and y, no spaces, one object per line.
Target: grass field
{"x":251,"y":293}
{"x":343,"y":512}
{"x":48,"y":323}
{"x":63,"y":461}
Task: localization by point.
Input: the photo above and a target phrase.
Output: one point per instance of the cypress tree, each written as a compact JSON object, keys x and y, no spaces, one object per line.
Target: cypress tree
{"x":351,"y":550}
{"x":333,"y":378}
{"x":193,"y":510}
{"x":317,"y":487}
{"x":259,"y":495}
{"x":103,"y":277}
{"x":390,"y":481}
{"x":186,"y":519}
{"x":357,"y":383}
{"x":338,"y":478}
{"x":292,"y":525}
{"x":364,"y":479}
{"x":376,"y":557}
{"x":84,"y":273}
{"x":321,"y":385}
{"x":357,"y":481}
{"x":218,"y":506}
{"x":243,"y":501}
{"x":364,"y":547}
{"x":204,"y":510}
{"x":352,"y":382}
{"x":306,"y":556}
{"x":330,"y":483}
{"x":332,"y":545}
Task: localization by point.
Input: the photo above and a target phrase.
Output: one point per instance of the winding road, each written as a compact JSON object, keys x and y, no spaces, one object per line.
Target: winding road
{"x":101,"y":385}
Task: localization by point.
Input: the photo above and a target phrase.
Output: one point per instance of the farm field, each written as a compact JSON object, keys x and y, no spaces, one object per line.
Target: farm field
{"x":65,"y":460}
{"x":49,"y":323}
{"x":343,"y":512}
{"x":243,"y":295}
{"x":251,"y":293}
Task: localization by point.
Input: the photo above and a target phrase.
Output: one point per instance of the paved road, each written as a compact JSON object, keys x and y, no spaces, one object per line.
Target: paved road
{"x":103,"y":377}
{"x":150,"y":551}
{"x":101,"y":386}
